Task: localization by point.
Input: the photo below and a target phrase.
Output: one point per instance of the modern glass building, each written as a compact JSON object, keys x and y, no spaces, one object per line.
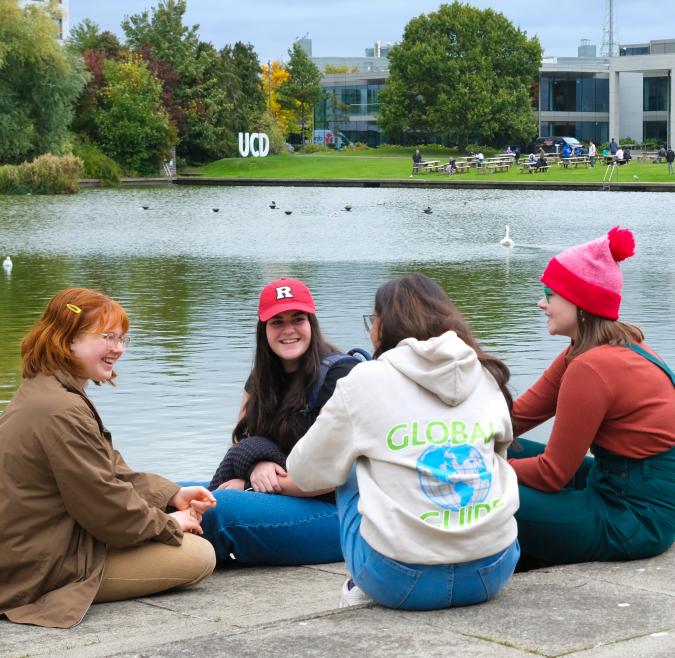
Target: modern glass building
{"x":587,"y":97}
{"x":62,"y":22}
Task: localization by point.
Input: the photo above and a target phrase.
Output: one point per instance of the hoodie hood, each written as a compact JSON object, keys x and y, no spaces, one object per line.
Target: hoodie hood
{"x":443,"y":365}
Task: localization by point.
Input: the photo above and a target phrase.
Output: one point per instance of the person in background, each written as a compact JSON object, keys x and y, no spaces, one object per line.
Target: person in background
{"x":609,"y":392}
{"x":670,"y":158}
{"x":516,"y":154}
{"x":613,"y":147}
{"x":425,"y":497}
{"x":592,"y":152}
{"x":77,"y":525}
{"x":417,"y":161}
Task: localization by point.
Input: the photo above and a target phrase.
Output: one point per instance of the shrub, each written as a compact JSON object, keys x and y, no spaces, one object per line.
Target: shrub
{"x":314,"y":148}
{"x":356,"y":146}
{"x":47,"y":174}
{"x":96,"y":163}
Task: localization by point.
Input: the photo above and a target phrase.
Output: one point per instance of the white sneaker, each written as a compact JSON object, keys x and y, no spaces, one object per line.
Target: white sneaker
{"x":352,"y":595}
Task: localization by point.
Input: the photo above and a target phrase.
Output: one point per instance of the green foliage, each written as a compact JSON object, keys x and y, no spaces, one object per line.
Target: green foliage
{"x":356,"y":147}
{"x":96,"y":164}
{"x":47,"y":174}
{"x":268,"y":124}
{"x":302,"y":90}
{"x":461,"y":73}
{"x":39,"y":82}
{"x":86,"y":36}
{"x":132,"y":124}
{"x":314,"y":148}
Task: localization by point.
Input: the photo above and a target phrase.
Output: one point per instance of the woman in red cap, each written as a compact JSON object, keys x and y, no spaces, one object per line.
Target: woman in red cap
{"x":263,"y":518}
{"x":611,"y":394}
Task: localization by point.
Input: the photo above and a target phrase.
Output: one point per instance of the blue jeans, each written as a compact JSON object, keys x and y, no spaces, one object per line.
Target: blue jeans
{"x":407,"y":586}
{"x":260,"y":528}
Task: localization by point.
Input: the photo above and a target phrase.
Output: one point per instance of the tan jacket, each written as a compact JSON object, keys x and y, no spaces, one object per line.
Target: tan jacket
{"x":65,"y":493}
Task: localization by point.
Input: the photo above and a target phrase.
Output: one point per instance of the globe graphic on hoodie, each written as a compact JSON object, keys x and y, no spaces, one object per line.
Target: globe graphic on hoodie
{"x":453,"y":476}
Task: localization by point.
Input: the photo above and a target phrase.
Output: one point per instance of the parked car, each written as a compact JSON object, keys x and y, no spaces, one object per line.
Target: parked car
{"x":555,"y":144}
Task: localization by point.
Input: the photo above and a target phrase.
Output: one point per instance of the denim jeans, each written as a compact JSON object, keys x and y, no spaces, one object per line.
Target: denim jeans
{"x":260,"y":528}
{"x":408,"y":586}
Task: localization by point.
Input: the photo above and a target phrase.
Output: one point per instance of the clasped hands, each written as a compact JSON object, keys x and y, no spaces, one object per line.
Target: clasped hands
{"x":191,"y":503}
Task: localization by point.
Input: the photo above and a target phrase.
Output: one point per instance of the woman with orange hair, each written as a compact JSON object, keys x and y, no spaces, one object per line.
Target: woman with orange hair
{"x":77,"y":525}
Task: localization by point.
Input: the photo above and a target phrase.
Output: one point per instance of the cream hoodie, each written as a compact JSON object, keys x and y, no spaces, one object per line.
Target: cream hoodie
{"x":428,"y":429}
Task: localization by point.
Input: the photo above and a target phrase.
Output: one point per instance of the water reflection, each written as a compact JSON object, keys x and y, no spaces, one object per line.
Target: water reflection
{"x":189,"y":279}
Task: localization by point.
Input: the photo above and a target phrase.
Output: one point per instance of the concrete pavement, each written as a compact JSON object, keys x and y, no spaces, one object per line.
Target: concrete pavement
{"x":594,"y":610}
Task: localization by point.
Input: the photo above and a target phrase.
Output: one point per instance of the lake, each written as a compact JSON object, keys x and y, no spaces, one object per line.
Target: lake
{"x":190,"y":277}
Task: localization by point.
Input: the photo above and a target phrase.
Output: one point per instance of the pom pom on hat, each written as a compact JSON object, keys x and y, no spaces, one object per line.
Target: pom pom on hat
{"x":589,"y":275}
{"x":621,"y":243}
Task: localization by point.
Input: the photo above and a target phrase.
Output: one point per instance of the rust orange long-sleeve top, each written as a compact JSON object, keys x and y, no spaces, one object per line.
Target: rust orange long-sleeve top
{"x":609,"y":396}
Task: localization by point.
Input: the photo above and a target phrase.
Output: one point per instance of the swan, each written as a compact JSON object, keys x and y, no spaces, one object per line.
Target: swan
{"x":506,"y":241}
{"x":7,"y":264}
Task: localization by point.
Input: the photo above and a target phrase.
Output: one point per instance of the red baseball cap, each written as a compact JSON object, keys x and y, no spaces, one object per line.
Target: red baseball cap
{"x":284,"y":295}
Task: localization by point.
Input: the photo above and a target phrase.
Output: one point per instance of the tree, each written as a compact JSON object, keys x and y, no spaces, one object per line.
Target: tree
{"x":133,"y":126}
{"x":302,"y":90}
{"x":39,"y":83}
{"x":274,"y":74}
{"x":462,"y":74}
{"x":86,"y":36}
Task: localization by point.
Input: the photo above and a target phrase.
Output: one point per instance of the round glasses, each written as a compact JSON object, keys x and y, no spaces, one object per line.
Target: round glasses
{"x":368,"y":322}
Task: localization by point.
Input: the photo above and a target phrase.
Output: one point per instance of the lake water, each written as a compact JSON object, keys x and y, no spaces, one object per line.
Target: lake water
{"x":190,"y":277}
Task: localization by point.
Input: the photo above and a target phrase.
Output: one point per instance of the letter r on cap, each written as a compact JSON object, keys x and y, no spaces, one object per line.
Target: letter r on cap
{"x":284,"y":292}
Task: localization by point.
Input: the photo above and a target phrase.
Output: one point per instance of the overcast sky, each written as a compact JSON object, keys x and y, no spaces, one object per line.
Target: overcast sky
{"x":347,"y":27}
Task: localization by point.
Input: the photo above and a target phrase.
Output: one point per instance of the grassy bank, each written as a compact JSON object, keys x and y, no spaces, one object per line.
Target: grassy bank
{"x":390,"y":164}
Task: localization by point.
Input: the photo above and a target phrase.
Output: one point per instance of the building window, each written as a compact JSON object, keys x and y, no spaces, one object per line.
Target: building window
{"x":655,"y":94}
{"x":655,"y":130}
{"x":574,"y":93}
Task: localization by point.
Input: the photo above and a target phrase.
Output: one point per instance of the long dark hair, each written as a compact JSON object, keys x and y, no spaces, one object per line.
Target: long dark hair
{"x":275,"y":403}
{"x":415,"y":306}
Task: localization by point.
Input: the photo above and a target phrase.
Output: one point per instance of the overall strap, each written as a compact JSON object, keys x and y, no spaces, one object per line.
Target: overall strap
{"x":650,"y":357}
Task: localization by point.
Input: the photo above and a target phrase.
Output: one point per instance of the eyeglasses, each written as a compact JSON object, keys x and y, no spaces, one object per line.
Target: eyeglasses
{"x":368,"y":322}
{"x":547,"y":294}
{"x":112,"y":340}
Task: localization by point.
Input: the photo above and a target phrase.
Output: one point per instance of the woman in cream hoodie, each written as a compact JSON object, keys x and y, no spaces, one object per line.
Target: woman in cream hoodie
{"x":415,"y":443}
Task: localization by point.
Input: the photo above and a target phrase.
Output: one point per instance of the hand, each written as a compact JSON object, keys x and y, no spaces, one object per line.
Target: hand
{"x":197,"y":498}
{"x":189,"y":521}
{"x":236,"y":484}
{"x":264,"y":477}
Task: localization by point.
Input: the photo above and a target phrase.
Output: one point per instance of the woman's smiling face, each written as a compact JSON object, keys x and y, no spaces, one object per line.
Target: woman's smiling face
{"x":561,"y":314}
{"x":289,"y":335}
{"x":98,"y":354}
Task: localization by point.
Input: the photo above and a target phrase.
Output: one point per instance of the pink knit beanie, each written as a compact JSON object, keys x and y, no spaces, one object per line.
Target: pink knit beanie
{"x":589,"y":275}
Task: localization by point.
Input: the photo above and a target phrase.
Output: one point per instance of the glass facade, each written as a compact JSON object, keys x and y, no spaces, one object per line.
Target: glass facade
{"x":584,"y":131}
{"x":347,"y":109}
{"x":655,"y":94}
{"x":655,"y":130}
{"x":574,"y":92}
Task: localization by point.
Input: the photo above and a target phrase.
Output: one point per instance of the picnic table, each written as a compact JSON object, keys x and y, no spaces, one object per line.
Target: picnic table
{"x":492,"y":167}
{"x":427,"y":166}
{"x":574,"y":160}
{"x":531,"y":168}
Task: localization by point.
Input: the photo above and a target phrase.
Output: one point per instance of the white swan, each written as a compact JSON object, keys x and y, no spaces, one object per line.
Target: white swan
{"x":506,"y":241}
{"x":7,"y":264}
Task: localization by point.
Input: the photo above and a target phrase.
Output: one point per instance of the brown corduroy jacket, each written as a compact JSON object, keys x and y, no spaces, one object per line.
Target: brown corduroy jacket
{"x":66,"y":493}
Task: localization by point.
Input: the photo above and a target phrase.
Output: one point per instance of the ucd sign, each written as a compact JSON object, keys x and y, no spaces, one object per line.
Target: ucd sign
{"x":257,"y":144}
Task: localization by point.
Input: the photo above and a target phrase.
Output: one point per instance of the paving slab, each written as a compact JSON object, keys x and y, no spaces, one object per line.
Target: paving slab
{"x":612,"y":610}
{"x":372,"y":632}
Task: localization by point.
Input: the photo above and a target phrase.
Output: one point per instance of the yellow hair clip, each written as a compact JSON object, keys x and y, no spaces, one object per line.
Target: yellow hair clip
{"x":74,"y":309}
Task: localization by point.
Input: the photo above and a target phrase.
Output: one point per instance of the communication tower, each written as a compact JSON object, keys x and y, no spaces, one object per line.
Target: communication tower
{"x":610,"y":42}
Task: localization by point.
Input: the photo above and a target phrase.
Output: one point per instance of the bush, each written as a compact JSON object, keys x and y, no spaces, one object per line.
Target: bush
{"x":11,"y":180}
{"x":314,"y":148}
{"x":47,"y":174}
{"x":356,"y":146}
{"x":96,"y":163}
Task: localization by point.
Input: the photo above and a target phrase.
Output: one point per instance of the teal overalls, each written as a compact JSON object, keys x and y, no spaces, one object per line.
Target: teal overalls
{"x":615,"y":508}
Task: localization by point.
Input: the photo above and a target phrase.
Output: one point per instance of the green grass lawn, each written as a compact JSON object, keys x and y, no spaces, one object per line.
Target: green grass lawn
{"x":389,"y":164}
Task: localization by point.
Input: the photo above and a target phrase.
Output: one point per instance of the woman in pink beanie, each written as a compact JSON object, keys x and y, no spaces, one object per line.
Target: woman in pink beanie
{"x":610,"y":394}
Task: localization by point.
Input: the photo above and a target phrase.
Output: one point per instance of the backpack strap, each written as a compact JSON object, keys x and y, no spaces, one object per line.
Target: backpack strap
{"x":355,"y":356}
{"x":650,"y":357}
